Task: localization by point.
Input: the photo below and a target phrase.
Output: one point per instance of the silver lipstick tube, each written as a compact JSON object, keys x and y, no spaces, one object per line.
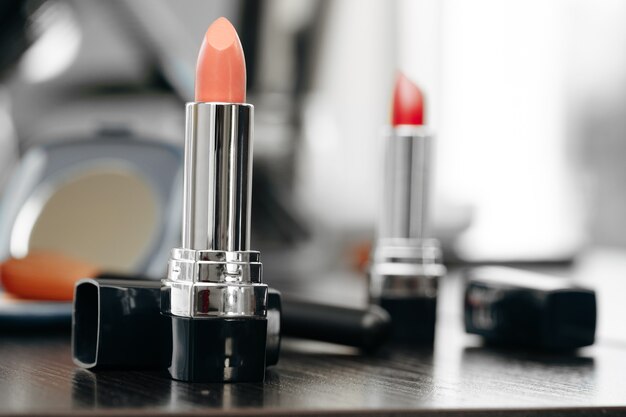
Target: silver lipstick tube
{"x":218,"y":177}
{"x":214,"y":291}
{"x":406,"y":182}
{"x":406,"y":265}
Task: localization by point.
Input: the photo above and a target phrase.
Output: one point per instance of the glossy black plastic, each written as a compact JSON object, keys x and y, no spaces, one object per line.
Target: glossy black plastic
{"x":366,"y":329}
{"x":274,"y":327}
{"x":530,"y":316}
{"x":413,"y":319}
{"x":218,"y":349}
{"x":116,"y":323}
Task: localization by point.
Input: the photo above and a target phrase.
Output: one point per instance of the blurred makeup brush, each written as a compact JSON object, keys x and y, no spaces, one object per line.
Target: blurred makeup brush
{"x":43,"y":275}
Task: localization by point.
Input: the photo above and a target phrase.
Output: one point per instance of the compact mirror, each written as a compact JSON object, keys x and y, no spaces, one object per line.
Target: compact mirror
{"x":112,"y":202}
{"x":105,"y":217}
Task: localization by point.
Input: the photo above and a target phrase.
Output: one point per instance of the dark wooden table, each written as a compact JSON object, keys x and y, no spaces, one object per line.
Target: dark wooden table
{"x":457,"y":377}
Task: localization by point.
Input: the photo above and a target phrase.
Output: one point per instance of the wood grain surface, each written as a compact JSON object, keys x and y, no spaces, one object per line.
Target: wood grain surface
{"x":458,"y":377}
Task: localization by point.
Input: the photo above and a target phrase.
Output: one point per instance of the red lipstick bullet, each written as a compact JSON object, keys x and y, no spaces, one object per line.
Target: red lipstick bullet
{"x":408,"y":103}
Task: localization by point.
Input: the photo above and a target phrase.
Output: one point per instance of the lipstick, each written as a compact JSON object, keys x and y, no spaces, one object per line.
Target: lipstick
{"x":406,"y":265}
{"x":214,"y":295}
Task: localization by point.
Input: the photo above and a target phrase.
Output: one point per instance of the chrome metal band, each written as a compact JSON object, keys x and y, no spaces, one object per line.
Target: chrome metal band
{"x":205,"y":283}
{"x":218,"y":176}
{"x":423,"y":251}
{"x":405,"y":268}
{"x":405,"y":183}
{"x":215,"y":255}
{"x":187,"y":265}
{"x":188,"y":299}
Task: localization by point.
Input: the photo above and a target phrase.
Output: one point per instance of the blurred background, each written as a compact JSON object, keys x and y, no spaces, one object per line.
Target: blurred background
{"x":527,"y":100}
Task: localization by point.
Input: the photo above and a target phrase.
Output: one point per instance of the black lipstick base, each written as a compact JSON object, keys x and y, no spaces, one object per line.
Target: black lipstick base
{"x":218,"y":350}
{"x":412,"y":319}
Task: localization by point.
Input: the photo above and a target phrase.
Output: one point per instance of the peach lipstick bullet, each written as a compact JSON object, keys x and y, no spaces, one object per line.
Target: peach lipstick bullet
{"x":221,"y":67}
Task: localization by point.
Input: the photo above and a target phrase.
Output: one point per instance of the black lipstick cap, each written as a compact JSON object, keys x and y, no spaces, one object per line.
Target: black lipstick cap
{"x":517,"y":308}
{"x":366,"y":329}
{"x":116,"y":323}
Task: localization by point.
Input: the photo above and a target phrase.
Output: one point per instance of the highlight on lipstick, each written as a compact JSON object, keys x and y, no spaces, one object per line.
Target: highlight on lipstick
{"x":408,"y":103}
{"x":221,"y":68}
